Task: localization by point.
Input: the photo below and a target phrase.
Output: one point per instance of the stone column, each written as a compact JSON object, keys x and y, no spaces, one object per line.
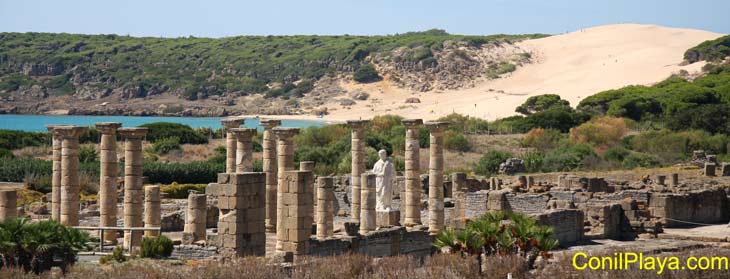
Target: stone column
{"x":109,"y":171}
{"x":710,"y":169}
{"x":231,"y":143}
{"x":152,"y":210}
{"x":195,"y":219}
{"x":661,"y":179}
{"x":367,"y":203}
{"x":357,"y":150}
{"x":413,"y":183}
{"x":675,"y":180}
{"x":530,"y":181}
{"x":325,"y":207}
{"x":436,"y":177}
{"x":244,"y":148}
{"x":241,"y":213}
{"x":295,"y":223}
{"x":70,"y":187}
{"x":133,"y":193}
{"x":725,"y":169}
{"x":306,"y":166}
{"x":56,"y":179}
{"x":8,"y":205}
{"x":284,"y":163}
{"x":458,"y":181}
{"x":269,"y":167}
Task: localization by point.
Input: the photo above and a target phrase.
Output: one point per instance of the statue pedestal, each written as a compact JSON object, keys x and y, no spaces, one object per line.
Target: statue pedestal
{"x":388,"y":218}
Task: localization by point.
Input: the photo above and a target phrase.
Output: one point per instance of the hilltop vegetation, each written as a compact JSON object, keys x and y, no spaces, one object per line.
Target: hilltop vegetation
{"x":712,"y":51}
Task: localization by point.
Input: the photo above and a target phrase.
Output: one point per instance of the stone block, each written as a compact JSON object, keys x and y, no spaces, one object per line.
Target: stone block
{"x":388,"y":218}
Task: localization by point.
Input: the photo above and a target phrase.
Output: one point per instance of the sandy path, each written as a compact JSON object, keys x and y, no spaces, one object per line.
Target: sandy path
{"x":573,"y":65}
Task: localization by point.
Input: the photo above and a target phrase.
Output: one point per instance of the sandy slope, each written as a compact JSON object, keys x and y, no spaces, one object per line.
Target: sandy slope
{"x":574,"y":65}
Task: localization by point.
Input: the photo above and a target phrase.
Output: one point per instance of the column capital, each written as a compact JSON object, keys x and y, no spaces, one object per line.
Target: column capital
{"x":243,"y":133}
{"x":283,"y":132}
{"x":133,"y":132}
{"x":232,"y":122}
{"x":52,"y":128}
{"x":436,"y":126}
{"x":269,"y":123}
{"x":357,"y":124}
{"x":108,"y":127}
{"x":412,"y":123}
{"x":69,"y":131}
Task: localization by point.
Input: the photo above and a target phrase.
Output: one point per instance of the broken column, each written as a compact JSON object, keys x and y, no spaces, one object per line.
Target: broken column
{"x":458,"y":182}
{"x":231,"y":143}
{"x":295,"y":222}
{"x":56,"y":179}
{"x":152,"y":210}
{"x":241,"y":202}
{"x":412,"y":173}
{"x":133,"y":193}
{"x":108,"y":173}
{"x":436,"y":177}
{"x":70,"y":187}
{"x":367,"y":203}
{"x":661,"y":179}
{"x":675,"y":180}
{"x":269,"y":167}
{"x":357,"y":149}
{"x":284,"y":163}
{"x":325,"y":207}
{"x":195,"y":219}
{"x":306,"y":166}
{"x":710,"y":169}
{"x":244,"y":148}
{"x":8,"y":205}
{"x":725,"y":169}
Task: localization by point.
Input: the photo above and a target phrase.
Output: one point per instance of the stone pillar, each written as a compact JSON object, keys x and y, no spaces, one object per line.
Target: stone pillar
{"x":284,"y":163}
{"x":325,"y":207}
{"x":661,"y":179}
{"x":231,"y":143}
{"x":8,"y":205}
{"x":56,"y":179}
{"x":70,"y":187}
{"x":195,"y":218}
{"x":725,"y":169}
{"x":367,"y":203}
{"x":269,"y":166}
{"x":133,"y":193}
{"x":109,"y":171}
{"x":710,"y":169}
{"x":241,"y":202}
{"x":244,"y":148}
{"x":152,"y":210}
{"x":522,"y":181}
{"x":436,"y":177}
{"x":295,"y":222}
{"x":493,"y":184}
{"x":675,"y":180}
{"x":412,"y":165}
{"x":306,"y":166}
{"x":458,"y":181}
{"x":357,"y":150}
{"x":530,"y":181}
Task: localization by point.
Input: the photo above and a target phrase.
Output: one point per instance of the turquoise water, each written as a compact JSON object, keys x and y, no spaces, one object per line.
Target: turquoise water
{"x":37,"y":123}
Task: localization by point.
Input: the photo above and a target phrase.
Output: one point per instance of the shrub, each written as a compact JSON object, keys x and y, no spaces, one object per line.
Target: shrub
{"x":567,"y":158}
{"x":488,"y":164}
{"x":616,"y":154}
{"x":165,"y":130}
{"x":533,"y":161}
{"x":117,"y":255}
{"x":366,"y":73}
{"x":11,"y":139}
{"x":456,"y":142}
{"x":16,"y":170}
{"x":87,"y":154}
{"x":181,"y":191}
{"x":603,"y":132}
{"x":164,"y":146}
{"x":193,"y":172}
{"x":156,"y":247}
{"x":4,"y":153}
{"x":541,"y":139}
{"x":636,"y":159}
{"x":542,"y":103}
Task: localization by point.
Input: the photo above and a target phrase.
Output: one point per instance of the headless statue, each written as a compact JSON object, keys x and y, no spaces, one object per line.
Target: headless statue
{"x":384,"y":182}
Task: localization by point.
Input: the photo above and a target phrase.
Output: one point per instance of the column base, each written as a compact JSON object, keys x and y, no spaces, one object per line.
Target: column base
{"x":389,"y":218}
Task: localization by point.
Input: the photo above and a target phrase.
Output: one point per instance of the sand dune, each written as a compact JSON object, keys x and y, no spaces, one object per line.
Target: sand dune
{"x":573,"y":65}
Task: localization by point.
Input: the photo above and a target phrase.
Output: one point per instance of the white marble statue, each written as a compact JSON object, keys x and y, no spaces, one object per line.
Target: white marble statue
{"x":384,"y":182}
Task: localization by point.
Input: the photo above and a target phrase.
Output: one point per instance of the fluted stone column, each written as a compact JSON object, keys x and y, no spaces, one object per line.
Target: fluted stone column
{"x":133,"y":193}
{"x":285,"y":163}
{"x":436,"y":177}
{"x":231,"y":142}
{"x":244,"y":148}
{"x":269,"y":167}
{"x":357,"y":148}
{"x":56,"y":179}
{"x":109,"y":171}
{"x":8,"y":205}
{"x":70,"y":187}
{"x":458,"y":181}
{"x":325,"y":207}
{"x":367,"y":203}
{"x":195,"y":220}
{"x":413,"y":183}
{"x":152,"y":210}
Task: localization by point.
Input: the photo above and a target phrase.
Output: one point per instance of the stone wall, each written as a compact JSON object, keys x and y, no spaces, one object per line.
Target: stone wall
{"x":605,"y":221}
{"x":381,"y":243}
{"x":568,"y":224}
{"x":527,"y":203}
{"x":707,"y":206}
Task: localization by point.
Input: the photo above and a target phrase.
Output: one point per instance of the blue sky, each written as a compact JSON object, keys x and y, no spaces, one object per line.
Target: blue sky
{"x":217,"y":18}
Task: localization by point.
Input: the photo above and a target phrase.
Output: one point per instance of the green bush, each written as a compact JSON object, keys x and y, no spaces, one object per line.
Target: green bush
{"x":166,"y":130}
{"x":194,"y":172}
{"x":156,"y":247}
{"x":456,"y":142}
{"x":711,"y":50}
{"x":117,"y":255}
{"x":567,"y":158}
{"x":16,"y":170}
{"x":635,"y":160}
{"x":533,"y":161}
{"x":488,"y":164}
{"x":4,"y":153}
{"x":164,"y":146}
{"x":87,"y":154}
{"x":616,"y":154}
{"x":542,"y":103}
{"x":181,"y":191}
{"x":12,"y":139}
{"x":366,"y":73}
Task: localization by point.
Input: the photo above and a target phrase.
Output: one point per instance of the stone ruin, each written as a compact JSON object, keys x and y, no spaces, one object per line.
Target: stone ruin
{"x":512,"y":166}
